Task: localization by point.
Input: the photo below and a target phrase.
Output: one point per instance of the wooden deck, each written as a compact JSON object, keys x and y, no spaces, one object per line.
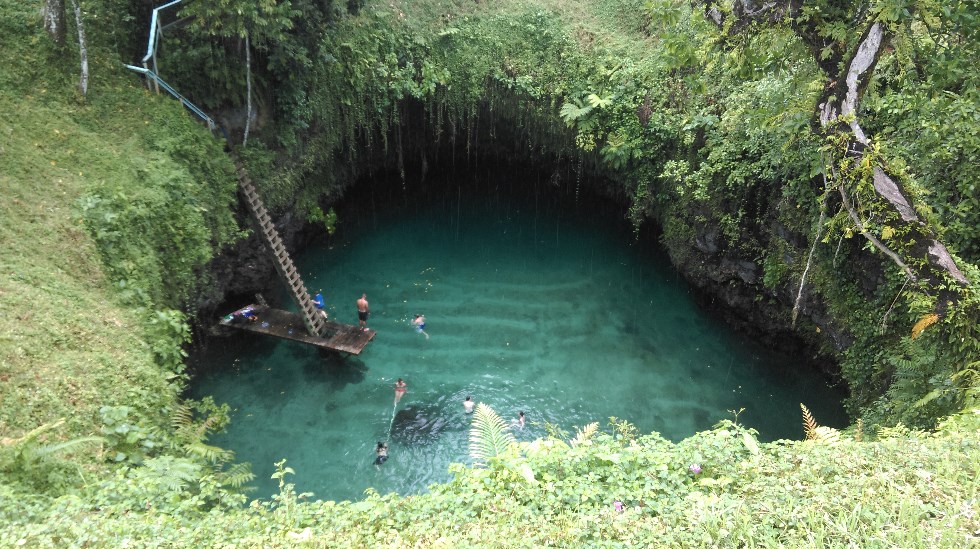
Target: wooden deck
{"x":287,"y":325}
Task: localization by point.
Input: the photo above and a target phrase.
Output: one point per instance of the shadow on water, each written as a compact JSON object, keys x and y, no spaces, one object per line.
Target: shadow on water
{"x":332,"y":370}
{"x":418,"y":425}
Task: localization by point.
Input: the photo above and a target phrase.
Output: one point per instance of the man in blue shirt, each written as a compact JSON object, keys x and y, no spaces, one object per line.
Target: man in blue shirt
{"x":318,"y":301}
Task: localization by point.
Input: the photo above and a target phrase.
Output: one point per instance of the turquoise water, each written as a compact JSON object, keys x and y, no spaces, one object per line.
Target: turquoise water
{"x":556,"y":315}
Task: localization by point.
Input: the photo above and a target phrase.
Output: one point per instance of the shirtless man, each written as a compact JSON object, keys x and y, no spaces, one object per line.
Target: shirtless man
{"x":362,"y":311}
{"x":468,"y":405}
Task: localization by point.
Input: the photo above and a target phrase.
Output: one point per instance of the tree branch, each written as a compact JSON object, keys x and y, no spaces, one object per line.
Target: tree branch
{"x":872,"y":238}
{"x":920,"y":238}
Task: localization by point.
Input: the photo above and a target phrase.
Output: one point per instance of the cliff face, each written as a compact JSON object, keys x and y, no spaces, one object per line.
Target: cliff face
{"x":730,"y":283}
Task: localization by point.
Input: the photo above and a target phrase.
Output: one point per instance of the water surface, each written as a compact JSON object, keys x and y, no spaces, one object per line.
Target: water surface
{"x":528,"y":309}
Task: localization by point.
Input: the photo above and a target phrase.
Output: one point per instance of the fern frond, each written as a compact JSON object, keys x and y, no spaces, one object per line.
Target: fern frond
{"x":827,"y":435}
{"x":212,"y":454}
{"x":237,"y":475}
{"x":207,"y":426}
{"x":924,"y":323}
{"x":48,"y":449}
{"x":809,"y":424}
{"x":34,"y":434}
{"x":182,"y":417}
{"x":489,"y":435}
{"x":584,"y":435}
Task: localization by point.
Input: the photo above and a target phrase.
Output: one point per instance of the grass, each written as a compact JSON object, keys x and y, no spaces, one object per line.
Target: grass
{"x":68,"y":346}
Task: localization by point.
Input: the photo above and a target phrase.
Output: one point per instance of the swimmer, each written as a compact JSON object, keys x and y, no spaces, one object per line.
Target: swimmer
{"x":419,"y":323}
{"x":520,"y":419}
{"x":382,"y":452}
{"x":468,"y":405}
{"x":400,"y":388}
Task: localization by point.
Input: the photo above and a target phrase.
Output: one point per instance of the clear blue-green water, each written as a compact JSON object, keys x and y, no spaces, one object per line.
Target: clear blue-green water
{"x":556,"y":314}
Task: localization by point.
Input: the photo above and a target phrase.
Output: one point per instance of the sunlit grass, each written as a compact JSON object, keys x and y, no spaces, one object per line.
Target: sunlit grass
{"x":67,"y":346}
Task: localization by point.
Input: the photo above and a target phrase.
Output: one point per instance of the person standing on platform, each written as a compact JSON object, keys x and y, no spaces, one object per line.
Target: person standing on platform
{"x":318,"y":301}
{"x":363,"y":310}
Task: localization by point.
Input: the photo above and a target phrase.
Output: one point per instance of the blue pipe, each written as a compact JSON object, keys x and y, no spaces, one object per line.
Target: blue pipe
{"x":151,"y":41}
{"x":183,"y":100}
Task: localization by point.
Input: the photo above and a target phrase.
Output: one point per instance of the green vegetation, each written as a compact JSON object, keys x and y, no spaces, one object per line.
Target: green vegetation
{"x":114,"y":203}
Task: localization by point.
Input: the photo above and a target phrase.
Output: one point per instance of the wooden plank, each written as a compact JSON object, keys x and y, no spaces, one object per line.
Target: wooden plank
{"x":284,"y":324}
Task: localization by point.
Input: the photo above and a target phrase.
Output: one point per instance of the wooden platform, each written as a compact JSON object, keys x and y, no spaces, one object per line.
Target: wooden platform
{"x":287,"y":325}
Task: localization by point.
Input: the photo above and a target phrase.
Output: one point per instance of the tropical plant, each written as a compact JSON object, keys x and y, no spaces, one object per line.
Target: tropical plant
{"x":30,"y":460}
{"x":490,"y":436}
{"x":818,"y":433}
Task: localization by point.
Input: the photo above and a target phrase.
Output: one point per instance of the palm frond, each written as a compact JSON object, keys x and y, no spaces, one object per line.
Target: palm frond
{"x":489,"y":434}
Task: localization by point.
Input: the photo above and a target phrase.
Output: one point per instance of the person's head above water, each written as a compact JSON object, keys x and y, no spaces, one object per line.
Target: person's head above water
{"x":468,"y":397}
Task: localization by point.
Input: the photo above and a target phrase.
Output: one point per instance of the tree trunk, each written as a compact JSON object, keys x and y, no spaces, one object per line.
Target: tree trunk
{"x":838,"y":112}
{"x":54,"y":20}
{"x":82,"y":49}
{"x":248,"y":90}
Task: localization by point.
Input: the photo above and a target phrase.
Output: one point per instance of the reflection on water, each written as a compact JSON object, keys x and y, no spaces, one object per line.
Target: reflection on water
{"x":526,"y":310}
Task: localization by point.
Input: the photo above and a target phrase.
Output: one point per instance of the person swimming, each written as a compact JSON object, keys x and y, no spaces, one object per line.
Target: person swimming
{"x":400,"y":389}
{"x":468,"y":404}
{"x":382,"y":453}
{"x":419,"y":323}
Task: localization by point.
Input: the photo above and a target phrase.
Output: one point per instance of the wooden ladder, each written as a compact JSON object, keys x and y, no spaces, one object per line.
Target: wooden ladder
{"x":315,"y":323}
